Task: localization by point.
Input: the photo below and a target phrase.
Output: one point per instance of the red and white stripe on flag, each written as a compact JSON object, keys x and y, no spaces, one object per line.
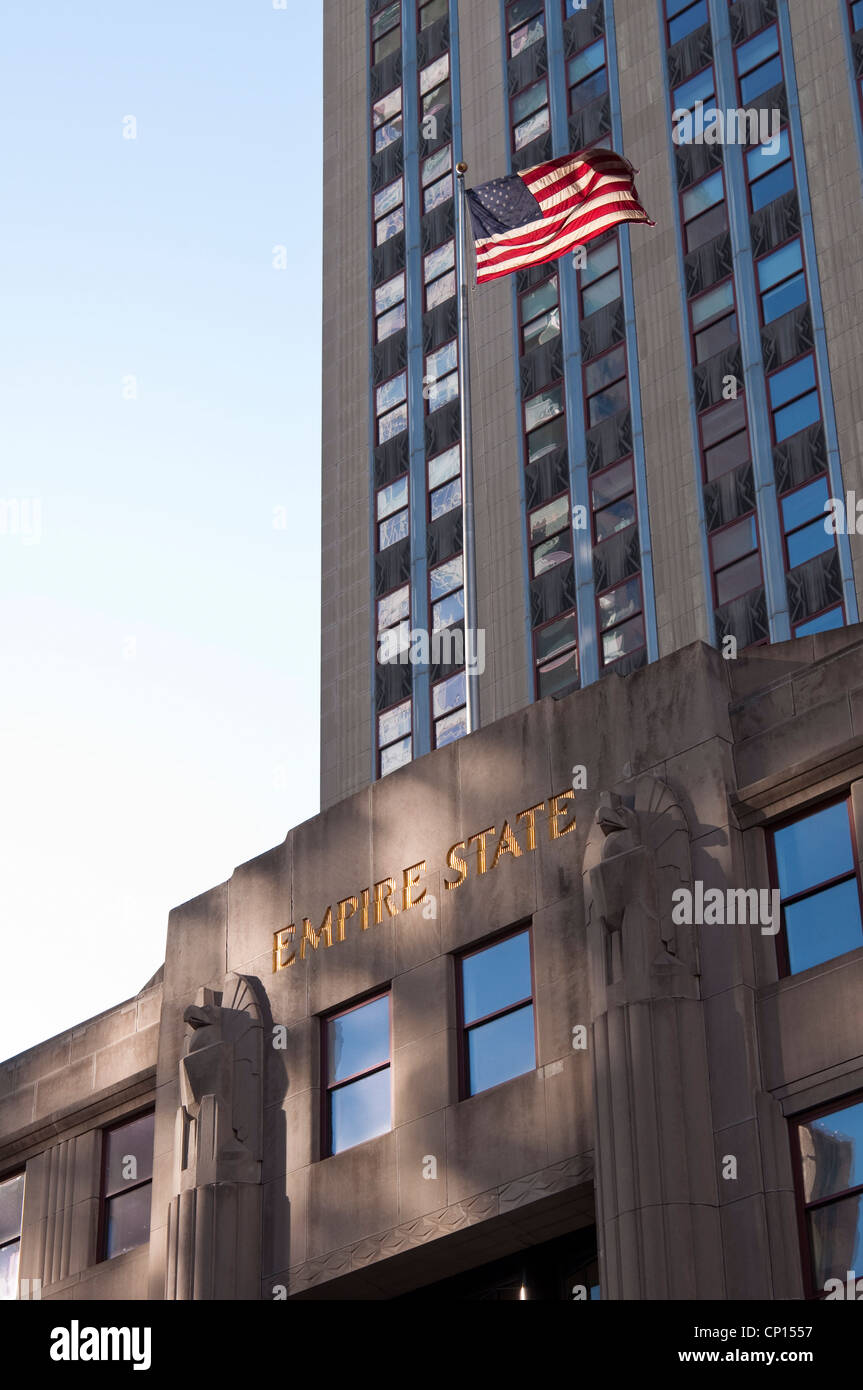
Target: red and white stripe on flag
{"x":581,"y":196}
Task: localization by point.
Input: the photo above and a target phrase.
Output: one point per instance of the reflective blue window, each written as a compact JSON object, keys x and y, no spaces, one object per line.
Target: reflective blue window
{"x":809,"y":541}
{"x":757,"y":50}
{"x":824,"y":622}
{"x":796,"y":417}
{"x":497,"y":1010}
{"x":805,"y":504}
{"x":761,"y":80}
{"x":770,"y":171}
{"x":686,"y":21}
{"x":817,"y":880}
{"x":831,"y":1171}
{"x":857,"y":15}
{"x":793,"y":381}
{"x":779,"y":264}
{"x":698,"y":88}
{"x":358,"y":1073}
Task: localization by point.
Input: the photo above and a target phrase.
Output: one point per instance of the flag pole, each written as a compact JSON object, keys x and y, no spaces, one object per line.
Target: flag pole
{"x":468,"y":538}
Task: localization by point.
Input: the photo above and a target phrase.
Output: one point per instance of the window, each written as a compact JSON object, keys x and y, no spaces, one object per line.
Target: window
{"x":529,"y":114}
{"x":543,"y":437}
{"x":444,"y":473}
{"x":704,"y":212}
{"x":525,"y":22}
{"x":605,"y":386}
{"x":441,"y":375}
{"x":612,"y":499}
{"x":439,"y":274}
{"x":829,"y":1151}
{"x":684,"y":18}
{"x":496,"y":1006}
{"x":446,"y":593}
{"x":856,"y":16}
{"x":393,"y":619}
{"x":556,"y":656}
{"x":769,"y":171}
{"x":127,"y":1181}
{"x":390,"y":307}
{"x":540,"y":314}
{"x":389,"y":211}
{"x":700,"y":88}
{"x":714,"y":322}
{"x":815,"y":863}
{"x":793,"y":397}
{"x":357,"y":1052}
{"x":586,"y":75}
{"x":803,"y":521}
{"x":822,"y":622}
{"x":435,"y":90}
{"x":433,"y":11}
{"x":437,"y":178}
{"x":394,"y":737}
{"x":600,"y":278}
{"x":724,"y":438}
{"x":781,"y":282}
{"x":391,"y":407}
{"x":386,"y":32}
{"x":759,"y":66}
{"x":550,"y":535}
{"x":392,"y":512}
{"x":449,"y":709}
{"x":735,"y":559}
{"x":11,"y":1207}
{"x":387,"y":119}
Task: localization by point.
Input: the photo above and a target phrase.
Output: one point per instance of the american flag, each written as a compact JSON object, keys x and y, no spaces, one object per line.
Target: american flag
{"x":528,"y":218}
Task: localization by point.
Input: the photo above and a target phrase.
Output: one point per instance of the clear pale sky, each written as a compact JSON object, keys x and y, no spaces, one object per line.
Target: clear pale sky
{"x":159,"y":630}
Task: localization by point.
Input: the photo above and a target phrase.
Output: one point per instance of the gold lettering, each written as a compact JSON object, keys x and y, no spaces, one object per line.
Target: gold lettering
{"x":555,"y":812}
{"x":530,"y":816}
{"x":364,"y":910}
{"x":480,"y":847}
{"x":455,"y":861}
{"x":280,"y":945}
{"x":381,"y":898}
{"x":409,"y":883}
{"x":507,"y":844}
{"x":314,"y":937}
{"x":342,"y":916}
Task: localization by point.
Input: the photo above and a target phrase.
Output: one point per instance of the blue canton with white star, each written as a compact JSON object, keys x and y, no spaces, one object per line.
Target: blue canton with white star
{"x":501,"y":205}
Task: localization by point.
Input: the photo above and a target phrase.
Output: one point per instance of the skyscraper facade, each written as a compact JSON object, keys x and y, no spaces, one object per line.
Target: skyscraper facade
{"x":658,"y":421}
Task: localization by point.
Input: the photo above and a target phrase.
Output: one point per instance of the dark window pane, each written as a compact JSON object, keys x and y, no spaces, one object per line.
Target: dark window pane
{"x":836,"y":1238}
{"x":9,"y":1271}
{"x":360,"y":1110}
{"x":386,"y":20}
{"x":710,"y":305}
{"x":725,"y":420}
{"x":435,"y":9}
{"x":738,"y":579}
{"x":129,"y":1154}
{"x":714,"y":339}
{"x":761,"y":80}
{"x":11,"y":1201}
{"x":497,"y":976}
{"x":831,"y":1152}
{"x":823,"y":926}
{"x":358,"y":1040}
{"x":528,"y":101}
{"x":615,"y":517}
{"x":727,"y":455}
{"x":619,"y":603}
{"x":387,"y":45}
{"x":604,"y":370}
{"x":733,"y":542}
{"x":539,"y":300}
{"x":560,"y":674}
{"x":521,"y":10}
{"x":705,"y":227}
{"x":545,"y":439}
{"x":555,"y":637}
{"x":445,"y":498}
{"x":587,"y":91}
{"x":502,"y":1049}
{"x":548,"y":520}
{"x":811,"y":540}
{"x":127,"y":1220}
{"x":608,"y":402}
{"x":813,"y":850}
{"x":612,"y":483}
{"x":623,"y":640}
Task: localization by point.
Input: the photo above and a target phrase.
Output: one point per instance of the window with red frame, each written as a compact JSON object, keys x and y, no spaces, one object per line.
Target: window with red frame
{"x":496,"y":1010}
{"x":814,"y":866}
{"x":357,"y":1051}
{"x":827,"y":1145}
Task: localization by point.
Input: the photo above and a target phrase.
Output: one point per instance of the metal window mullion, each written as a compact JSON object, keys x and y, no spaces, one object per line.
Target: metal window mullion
{"x":767,"y":507}
{"x":570,"y":327}
{"x":420,"y":723}
{"x":816,"y":308}
{"x":648,"y":592}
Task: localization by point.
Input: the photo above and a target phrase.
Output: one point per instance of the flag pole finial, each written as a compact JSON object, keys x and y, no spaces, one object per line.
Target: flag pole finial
{"x":461,"y":169}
